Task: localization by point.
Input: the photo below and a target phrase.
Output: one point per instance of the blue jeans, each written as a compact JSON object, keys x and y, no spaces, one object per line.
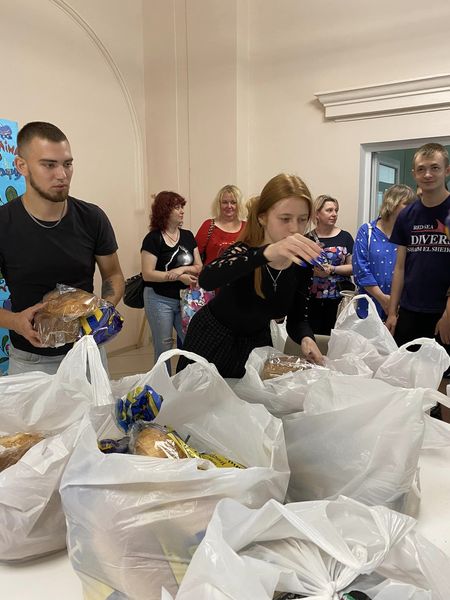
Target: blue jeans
{"x":26,"y":362}
{"x":164,"y":315}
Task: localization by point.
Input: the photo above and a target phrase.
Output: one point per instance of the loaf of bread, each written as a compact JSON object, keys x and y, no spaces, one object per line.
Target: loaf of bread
{"x":70,"y":303}
{"x":13,"y":447}
{"x":56,"y":331}
{"x":58,"y":322}
{"x":282,"y":364}
{"x":154,"y":441}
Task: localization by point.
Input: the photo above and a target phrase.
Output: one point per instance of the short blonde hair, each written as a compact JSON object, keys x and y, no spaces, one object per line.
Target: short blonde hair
{"x":429,"y":150}
{"x":237,"y":195}
{"x":393,"y":197}
{"x":320,"y":202}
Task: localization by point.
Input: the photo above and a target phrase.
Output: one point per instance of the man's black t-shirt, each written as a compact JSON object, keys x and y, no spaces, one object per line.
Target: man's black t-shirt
{"x":33,"y":259}
{"x":169,"y":257}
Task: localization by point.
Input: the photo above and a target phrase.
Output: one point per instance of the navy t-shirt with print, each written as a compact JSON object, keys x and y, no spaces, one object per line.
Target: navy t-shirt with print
{"x":421,"y":230}
{"x":169,"y":257}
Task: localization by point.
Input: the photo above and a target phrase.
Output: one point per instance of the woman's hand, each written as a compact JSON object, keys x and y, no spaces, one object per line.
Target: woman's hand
{"x":384,"y":301}
{"x":311,"y":351}
{"x":295,"y":248}
{"x":177,"y":273}
{"x":324,"y":271}
{"x":188,"y":279}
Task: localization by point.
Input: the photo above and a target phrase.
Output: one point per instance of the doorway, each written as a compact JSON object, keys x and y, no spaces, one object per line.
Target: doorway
{"x":383,"y":165}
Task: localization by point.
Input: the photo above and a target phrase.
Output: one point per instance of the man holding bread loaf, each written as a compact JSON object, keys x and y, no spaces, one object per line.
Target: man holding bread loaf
{"x":46,"y":238}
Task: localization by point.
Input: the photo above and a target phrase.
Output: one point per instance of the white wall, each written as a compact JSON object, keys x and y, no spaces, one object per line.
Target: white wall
{"x":230,"y":89}
{"x":192,"y":94}
{"x":79,"y":64}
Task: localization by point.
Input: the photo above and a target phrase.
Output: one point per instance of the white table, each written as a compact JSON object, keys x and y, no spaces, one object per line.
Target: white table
{"x":48,"y":578}
{"x":52,"y":578}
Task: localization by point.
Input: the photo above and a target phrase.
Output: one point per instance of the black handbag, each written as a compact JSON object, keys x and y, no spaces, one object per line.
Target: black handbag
{"x":134,"y":292}
{"x":345,"y":285}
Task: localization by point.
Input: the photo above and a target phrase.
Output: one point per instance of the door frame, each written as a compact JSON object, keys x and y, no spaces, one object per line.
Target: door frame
{"x":365,"y":171}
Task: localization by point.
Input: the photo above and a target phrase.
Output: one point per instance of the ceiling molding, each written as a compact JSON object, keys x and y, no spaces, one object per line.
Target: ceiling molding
{"x":394,"y":98}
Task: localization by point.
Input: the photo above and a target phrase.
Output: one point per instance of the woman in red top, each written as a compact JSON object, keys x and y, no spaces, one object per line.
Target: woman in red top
{"x":216,"y":234}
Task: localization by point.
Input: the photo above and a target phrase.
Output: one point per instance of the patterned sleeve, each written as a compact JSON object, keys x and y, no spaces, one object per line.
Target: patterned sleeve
{"x":236,"y":262}
{"x":360,"y":258}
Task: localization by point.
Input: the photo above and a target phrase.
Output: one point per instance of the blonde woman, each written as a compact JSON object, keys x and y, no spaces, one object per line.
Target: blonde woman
{"x":261,"y":277}
{"x":217,"y":234}
{"x":374,"y":256}
{"x":335,"y":274}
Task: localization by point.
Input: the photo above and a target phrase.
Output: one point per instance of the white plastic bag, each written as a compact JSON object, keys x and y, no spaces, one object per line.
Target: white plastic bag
{"x":278,"y":334}
{"x":134,"y":521}
{"x":31,"y":517}
{"x":356,"y":437}
{"x":281,"y":395}
{"x":423,"y":368}
{"x":371,"y":327}
{"x":344,"y":545}
{"x":346,"y":346}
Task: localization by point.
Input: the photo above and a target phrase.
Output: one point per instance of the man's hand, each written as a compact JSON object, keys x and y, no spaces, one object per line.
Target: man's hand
{"x":443,"y":328}
{"x":23,"y":324}
{"x":391,"y":323}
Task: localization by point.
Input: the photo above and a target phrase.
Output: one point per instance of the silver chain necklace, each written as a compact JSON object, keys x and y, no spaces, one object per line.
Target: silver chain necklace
{"x":174,"y":241}
{"x":41,"y":224}
{"x":274,"y":279}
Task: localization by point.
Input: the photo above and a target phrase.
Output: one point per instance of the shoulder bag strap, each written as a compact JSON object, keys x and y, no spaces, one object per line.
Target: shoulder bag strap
{"x":369,"y":226}
{"x":208,"y":237}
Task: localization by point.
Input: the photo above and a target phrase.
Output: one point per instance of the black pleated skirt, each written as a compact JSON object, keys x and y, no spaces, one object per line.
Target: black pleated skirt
{"x":227,"y":350}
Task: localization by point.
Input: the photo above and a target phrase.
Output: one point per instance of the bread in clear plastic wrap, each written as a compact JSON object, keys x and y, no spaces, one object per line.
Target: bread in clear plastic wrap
{"x":69,"y":313}
{"x":277,"y":365}
{"x":70,"y":303}
{"x":148,"y":439}
{"x":56,"y":331}
{"x":13,"y":447}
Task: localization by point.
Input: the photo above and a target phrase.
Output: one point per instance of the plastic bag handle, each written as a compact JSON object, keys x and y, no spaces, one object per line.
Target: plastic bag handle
{"x":344,"y":314}
{"x":423,"y":341}
{"x":177,"y":352}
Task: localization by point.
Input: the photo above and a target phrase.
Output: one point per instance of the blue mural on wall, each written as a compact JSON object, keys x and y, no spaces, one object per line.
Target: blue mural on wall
{"x":12,"y":184}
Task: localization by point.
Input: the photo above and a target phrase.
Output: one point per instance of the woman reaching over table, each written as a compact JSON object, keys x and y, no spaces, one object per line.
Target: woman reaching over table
{"x":217,"y":234}
{"x":263,"y":276}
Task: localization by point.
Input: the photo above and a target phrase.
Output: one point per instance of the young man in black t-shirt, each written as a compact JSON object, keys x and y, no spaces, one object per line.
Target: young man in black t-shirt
{"x":48,"y":237}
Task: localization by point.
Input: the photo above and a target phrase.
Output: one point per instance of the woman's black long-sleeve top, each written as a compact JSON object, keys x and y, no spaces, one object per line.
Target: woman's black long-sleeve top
{"x":237,"y":305}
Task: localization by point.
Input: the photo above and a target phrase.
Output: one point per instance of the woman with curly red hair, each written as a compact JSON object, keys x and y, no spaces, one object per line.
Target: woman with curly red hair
{"x":170,"y":262}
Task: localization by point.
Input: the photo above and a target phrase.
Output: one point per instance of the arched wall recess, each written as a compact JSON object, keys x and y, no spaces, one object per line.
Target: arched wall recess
{"x":138,"y":180}
{"x":419,"y":95}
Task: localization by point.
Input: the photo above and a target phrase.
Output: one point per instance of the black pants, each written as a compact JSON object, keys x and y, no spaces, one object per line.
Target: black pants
{"x":322,"y":314}
{"x":224,"y":348}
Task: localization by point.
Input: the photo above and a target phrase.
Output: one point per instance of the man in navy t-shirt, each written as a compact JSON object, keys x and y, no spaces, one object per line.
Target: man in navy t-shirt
{"x":419,"y":305}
